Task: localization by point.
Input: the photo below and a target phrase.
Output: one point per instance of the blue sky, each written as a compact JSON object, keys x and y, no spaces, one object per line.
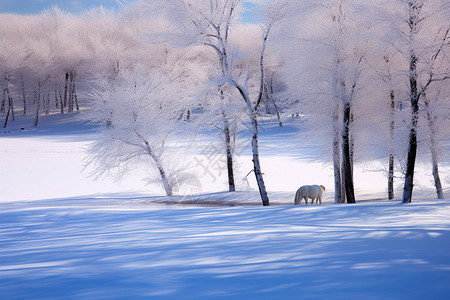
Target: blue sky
{"x":73,"y":6}
{"x":36,"y":6}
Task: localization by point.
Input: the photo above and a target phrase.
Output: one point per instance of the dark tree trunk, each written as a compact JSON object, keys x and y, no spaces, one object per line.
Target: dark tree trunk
{"x":410,"y":164}
{"x":391,"y":155}
{"x":24,"y":98}
{"x":38,"y":106}
{"x":229,"y":150}
{"x":66,"y":87}
{"x":70,"y":93}
{"x":352,"y":145}
{"x":61,"y":103}
{"x":10,"y":111}
{"x":391,"y":177}
{"x":6,"y":119}
{"x":3,"y":106}
{"x":11,"y":103}
{"x":412,"y":148}
{"x":346,"y":156}
{"x":74,"y":92}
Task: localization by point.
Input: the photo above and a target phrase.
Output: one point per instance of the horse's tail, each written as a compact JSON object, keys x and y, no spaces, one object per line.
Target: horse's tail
{"x":296,"y":199}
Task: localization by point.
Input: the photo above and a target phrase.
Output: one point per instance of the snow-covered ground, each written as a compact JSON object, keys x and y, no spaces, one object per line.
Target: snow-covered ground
{"x":64,"y":235}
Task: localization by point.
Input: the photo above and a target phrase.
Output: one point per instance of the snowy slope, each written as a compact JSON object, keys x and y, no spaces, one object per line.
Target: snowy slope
{"x":109,"y":249}
{"x":64,"y":235}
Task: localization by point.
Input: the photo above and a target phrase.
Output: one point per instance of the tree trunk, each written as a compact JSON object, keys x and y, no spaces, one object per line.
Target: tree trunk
{"x":61,"y":103}
{"x":346,"y":156}
{"x":391,"y":177}
{"x":270,"y":97}
{"x":24,"y":98}
{"x":162,"y":173}
{"x":229,"y":151}
{"x":391,"y":155}
{"x":165,"y":181}
{"x":410,"y":164}
{"x":434,"y":153}
{"x":352,"y":146}
{"x":74,"y":92}
{"x":339,"y":196}
{"x":256,"y":164}
{"x":8,"y":112}
{"x":11,"y":106}
{"x":38,"y":106}
{"x":412,"y":148}
{"x":278,"y":113}
{"x":229,"y":148}
{"x":70,"y":93}
{"x":66,"y":89}
{"x":339,"y":193}
{"x":2,"y":108}
{"x":6,"y":119}
{"x":437,"y":179}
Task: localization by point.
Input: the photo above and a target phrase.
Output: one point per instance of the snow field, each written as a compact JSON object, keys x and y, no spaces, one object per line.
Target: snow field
{"x":64,"y":235}
{"x":111,"y":249}
{"x":46,"y":164}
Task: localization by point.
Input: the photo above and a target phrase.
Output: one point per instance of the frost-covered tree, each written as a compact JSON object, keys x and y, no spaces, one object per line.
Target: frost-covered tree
{"x":49,"y":57}
{"x":222,"y":104}
{"x":436,"y":112}
{"x":138,"y":113}
{"x":327,"y":80}
{"x":386,"y":115}
{"x":210,"y":23}
{"x":348,"y":56}
{"x":420,"y":30}
{"x":222,"y":108}
{"x":13,"y":54}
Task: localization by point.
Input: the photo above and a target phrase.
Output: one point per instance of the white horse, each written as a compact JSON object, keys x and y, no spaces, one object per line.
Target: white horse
{"x":314,"y":192}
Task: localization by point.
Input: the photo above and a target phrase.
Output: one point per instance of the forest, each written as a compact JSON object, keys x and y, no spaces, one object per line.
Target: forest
{"x":369,"y":80}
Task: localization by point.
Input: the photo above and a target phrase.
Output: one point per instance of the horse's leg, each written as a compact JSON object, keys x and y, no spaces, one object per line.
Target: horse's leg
{"x":306,"y":200}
